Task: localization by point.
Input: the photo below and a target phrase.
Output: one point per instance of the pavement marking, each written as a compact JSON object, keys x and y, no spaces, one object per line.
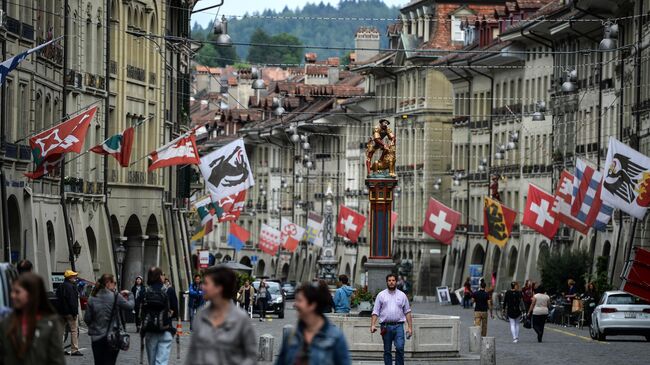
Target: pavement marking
{"x":578,"y":336}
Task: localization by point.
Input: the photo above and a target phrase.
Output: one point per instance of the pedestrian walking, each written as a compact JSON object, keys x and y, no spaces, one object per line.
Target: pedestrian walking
{"x":512,"y":304}
{"x":263,"y":299}
{"x":245,"y":296}
{"x":467,"y":294}
{"x":196,"y":298}
{"x":527,"y":293}
{"x":138,"y":292}
{"x":159,"y":308}
{"x":31,"y":334}
{"x":482,"y":303}
{"x":222,"y":333}
{"x":102,"y":316}
{"x":68,"y":299}
{"x":315,"y":340}
{"x":539,"y":311}
{"x":392,"y":309}
{"x":343,"y":296}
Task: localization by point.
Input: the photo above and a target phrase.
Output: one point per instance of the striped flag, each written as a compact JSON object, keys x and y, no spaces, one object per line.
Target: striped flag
{"x":587,"y":206}
{"x":237,"y":236}
{"x":205,"y":208}
{"x":118,"y":146}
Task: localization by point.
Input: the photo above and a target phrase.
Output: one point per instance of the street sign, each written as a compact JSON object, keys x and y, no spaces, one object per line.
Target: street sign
{"x":204,"y":259}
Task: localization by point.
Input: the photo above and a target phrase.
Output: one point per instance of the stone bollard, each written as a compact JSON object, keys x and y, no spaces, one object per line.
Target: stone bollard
{"x":266,"y":347}
{"x":287,"y":329}
{"x":488,"y":351}
{"x":475,"y":339}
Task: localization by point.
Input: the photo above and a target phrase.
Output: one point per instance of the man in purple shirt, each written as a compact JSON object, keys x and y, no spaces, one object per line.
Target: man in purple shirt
{"x":392,"y":309}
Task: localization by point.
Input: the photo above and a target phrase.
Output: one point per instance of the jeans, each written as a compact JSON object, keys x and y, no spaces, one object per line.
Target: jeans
{"x":394,"y":333}
{"x":74,"y":332}
{"x":104,"y":354}
{"x":467,"y":302}
{"x":514,"y":328}
{"x":481,"y":320}
{"x":262,"y":304}
{"x":159,"y":345}
{"x":193,"y":312}
{"x":538,"y":325}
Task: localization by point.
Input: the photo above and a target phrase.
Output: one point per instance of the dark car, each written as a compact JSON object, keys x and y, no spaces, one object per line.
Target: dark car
{"x":289,"y":290}
{"x":276,"y":306}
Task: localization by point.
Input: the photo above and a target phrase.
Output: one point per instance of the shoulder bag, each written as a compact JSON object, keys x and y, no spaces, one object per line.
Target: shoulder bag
{"x":116,"y":337}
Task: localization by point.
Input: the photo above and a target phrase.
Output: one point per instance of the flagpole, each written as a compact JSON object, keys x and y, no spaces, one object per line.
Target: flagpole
{"x":106,"y":140}
{"x":61,"y":120}
{"x":189,"y":132}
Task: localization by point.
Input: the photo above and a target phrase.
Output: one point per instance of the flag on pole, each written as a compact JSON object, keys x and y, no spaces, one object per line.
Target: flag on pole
{"x":587,"y":205}
{"x":539,"y":213}
{"x":181,"y":151}
{"x":237,"y":236}
{"x":563,"y":198}
{"x":227,"y":171}
{"x":205,"y":209}
{"x":350,"y":223}
{"x":314,"y":229}
{"x":13,"y":62}
{"x":48,"y":147}
{"x":269,"y":239}
{"x":626,"y":185}
{"x":440,"y":222}
{"x":497,"y":221}
{"x":291,"y":234}
{"x":229,"y":208}
{"x":205,"y":229}
{"x":118,"y":146}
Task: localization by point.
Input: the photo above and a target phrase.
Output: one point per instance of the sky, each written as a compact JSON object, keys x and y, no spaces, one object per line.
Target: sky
{"x":240,"y":7}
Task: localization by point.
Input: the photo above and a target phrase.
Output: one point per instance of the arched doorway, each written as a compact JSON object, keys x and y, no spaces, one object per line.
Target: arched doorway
{"x":133,"y":261}
{"x":152,"y":243}
{"x":348,"y":270}
{"x":512,"y":262}
{"x":51,"y":243}
{"x":15,"y":229}
{"x":92,"y":244}
{"x":478,"y":256}
{"x":496,"y":260}
{"x":115,"y":227}
{"x":245,"y":261}
{"x":607,"y":248}
{"x":227,"y":258}
{"x":544,"y":252}
{"x":261,"y":266}
{"x":363,"y":279}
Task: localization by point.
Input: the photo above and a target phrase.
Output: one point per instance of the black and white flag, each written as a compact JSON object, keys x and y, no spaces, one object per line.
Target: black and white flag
{"x":227,"y":170}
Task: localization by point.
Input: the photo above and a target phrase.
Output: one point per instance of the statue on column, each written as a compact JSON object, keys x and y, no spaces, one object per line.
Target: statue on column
{"x":494,"y":187}
{"x":377,"y":142}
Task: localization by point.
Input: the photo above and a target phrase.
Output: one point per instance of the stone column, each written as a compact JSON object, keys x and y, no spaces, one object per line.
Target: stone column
{"x":327,"y":261}
{"x":380,"y":262}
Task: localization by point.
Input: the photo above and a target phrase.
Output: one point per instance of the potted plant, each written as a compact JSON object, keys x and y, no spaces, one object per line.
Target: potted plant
{"x":362,"y":299}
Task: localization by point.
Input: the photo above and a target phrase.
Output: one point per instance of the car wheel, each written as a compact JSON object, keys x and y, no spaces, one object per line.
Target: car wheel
{"x":281,"y":313}
{"x":593,"y":332}
{"x":647,"y":338}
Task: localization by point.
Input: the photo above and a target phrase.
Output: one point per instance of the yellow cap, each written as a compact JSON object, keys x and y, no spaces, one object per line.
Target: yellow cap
{"x":69,"y":273}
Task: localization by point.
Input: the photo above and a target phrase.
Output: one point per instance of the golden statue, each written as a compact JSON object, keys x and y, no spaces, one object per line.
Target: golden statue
{"x":387,"y":159}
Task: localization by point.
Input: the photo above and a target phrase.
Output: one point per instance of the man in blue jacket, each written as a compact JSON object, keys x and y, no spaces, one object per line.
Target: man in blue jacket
{"x":343,"y":296}
{"x":196,"y":297}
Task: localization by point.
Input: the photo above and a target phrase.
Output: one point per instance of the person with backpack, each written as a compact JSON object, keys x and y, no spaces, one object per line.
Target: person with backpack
{"x":102,"y":316}
{"x":159,"y":307}
{"x":223,"y":333}
{"x":68,"y":299}
{"x":196,"y":297}
{"x":512,"y":303}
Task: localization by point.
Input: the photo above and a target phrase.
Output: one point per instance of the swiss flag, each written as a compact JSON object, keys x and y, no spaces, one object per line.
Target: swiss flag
{"x":540,"y":213}
{"x":350,"y":223}
{"x":440,"y":221}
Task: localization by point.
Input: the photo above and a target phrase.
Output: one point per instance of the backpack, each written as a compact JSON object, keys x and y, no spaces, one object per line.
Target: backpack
{"x":155,"y":311}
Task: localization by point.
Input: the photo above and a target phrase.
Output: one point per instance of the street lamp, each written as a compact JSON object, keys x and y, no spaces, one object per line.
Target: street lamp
{"x":295,"y":138}
{"x":500,"y":154}
{"x":76,"y":249}
{"x":436,"y":184}
{"x":120,"y":255}
{"x":221,"y":30}
{"x":610,"y":34}
{"x":538,"y":115}
{"x":569,"y":84}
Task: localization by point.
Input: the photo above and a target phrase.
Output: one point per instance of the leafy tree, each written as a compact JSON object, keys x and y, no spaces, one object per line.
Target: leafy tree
{"x":558,"y":267}
{"x":213,"y":56}
{"x":259,"y":53}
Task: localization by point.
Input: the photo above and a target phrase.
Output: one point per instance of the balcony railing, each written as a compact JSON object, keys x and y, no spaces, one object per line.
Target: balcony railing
{"x":13,"y":25}
{"x":112,"y":67}
{"x":95,"y":81}
{"x":52,"y":52}
{"x":135,"y":73}
{"x":73,"y":78}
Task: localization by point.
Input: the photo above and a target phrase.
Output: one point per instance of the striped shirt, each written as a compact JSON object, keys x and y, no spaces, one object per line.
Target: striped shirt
{"x":391,"y":306}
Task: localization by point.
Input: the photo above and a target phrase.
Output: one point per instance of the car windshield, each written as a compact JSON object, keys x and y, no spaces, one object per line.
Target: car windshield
{"x":274,"y":288}
{"x":624,"y":299}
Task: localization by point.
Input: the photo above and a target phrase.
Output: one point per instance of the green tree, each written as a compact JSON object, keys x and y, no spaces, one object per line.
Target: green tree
{"x":214,"y":56}
{"x":558,"y":267}
{"x":259,"y":52}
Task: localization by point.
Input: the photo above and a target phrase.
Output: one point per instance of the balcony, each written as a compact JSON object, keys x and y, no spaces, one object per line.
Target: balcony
{"x":95,"y":81}
{"x":135,"y":177}
{"x":112,"y":67}
{"x":152,"y":178}
{"x":135,"y":73}
{"x":73,"y":79}
{"x":13,"y":25}
{"x":52,"y":53}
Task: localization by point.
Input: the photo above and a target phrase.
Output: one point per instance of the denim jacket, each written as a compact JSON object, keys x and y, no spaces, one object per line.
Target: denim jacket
{"x":328,"y":347}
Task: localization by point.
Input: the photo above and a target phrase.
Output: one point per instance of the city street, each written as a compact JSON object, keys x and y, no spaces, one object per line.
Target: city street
{"x":561,"y":345}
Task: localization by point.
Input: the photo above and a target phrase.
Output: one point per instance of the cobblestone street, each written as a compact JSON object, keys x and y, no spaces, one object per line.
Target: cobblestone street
{"x":561,"y":345}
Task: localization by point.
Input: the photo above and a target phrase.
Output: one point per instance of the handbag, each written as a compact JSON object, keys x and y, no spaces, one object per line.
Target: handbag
{"x":527,"y":322}
{"x":116,"y":337}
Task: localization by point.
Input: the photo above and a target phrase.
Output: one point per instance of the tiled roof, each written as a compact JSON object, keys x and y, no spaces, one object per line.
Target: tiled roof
{"x":394,"y":27}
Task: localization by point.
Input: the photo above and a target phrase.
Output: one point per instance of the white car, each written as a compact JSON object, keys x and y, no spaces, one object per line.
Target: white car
{"x":620,"y":313}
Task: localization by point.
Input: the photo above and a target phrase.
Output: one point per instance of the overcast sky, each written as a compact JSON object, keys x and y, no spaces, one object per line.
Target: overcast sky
{"x":240,"y":7}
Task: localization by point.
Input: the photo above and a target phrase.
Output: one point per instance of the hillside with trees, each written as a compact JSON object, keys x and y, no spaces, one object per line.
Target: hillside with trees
{"x":279,"y":28}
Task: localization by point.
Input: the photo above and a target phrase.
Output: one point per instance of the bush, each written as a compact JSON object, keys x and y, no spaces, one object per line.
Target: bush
{"x":361,"y":295}
{"x":558,"y":267}
{"x":241,"y":278}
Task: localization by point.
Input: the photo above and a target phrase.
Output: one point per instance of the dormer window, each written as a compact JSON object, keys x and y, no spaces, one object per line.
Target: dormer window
{"x":457,"y":33}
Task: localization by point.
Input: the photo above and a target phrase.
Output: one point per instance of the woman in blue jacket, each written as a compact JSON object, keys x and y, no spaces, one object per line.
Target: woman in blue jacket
{"x":315,"y":341}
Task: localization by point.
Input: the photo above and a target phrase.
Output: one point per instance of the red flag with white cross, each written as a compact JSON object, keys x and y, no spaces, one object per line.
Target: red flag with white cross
{"x":440,"y":221}
{"x":269,"y":239}
{"x":540,"y":213}
{"x":350,"y":223}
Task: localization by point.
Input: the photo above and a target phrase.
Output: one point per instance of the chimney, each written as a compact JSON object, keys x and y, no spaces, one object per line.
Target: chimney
{"x":332,"y":75}
{"x":366,"y":43}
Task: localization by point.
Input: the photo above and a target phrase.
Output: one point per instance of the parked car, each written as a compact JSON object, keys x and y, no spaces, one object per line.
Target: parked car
{"x":289,"y":290}
{"x":620,"y":313}
{"x":277,"y":298}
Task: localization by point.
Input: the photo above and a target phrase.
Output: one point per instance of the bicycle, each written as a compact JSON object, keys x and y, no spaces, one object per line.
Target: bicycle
{"x":499,"y":308}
